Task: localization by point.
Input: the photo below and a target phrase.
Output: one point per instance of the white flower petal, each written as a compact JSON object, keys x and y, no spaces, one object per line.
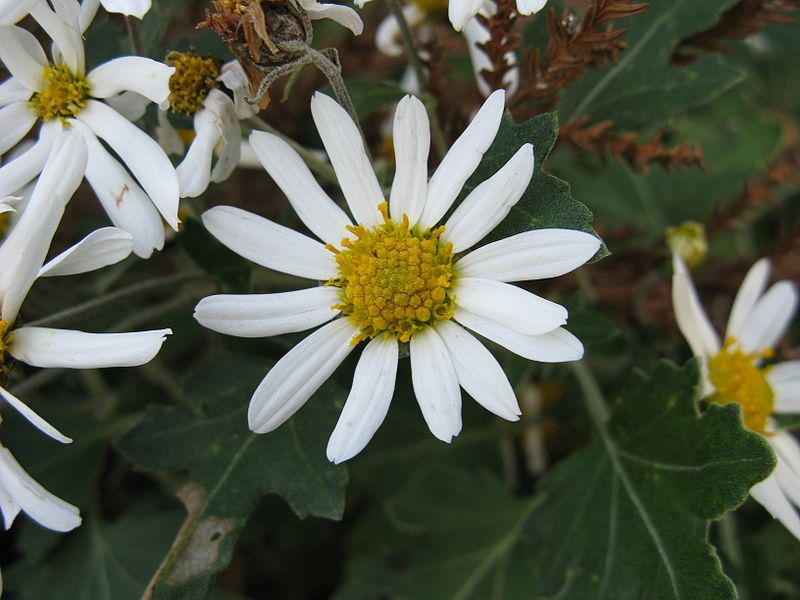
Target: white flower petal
{"x":12,"y":11}
{"x":476,"y":34}
{"x":130,"y":105}
{"x":168,"y":137}
{"x":345,"y":148}
{"x":689,"y":313}
{"x":368,"y":400}
{"x":556,"y":346}
{"x":39,"y":504}
{"x":769,"y":494}
{"x":144,"y":76}
{"x":412,"y":139}
{"x":23,"y":252}
{"x":299,"y":374}
{"x":88,"y":12}
{"x":528,"y":7}
{"x":478,"y":371}
{"x":435,"y":384}
{"x":753,"y":286}
{"x":194,"y":172}
{"x":133,"y":8}
{"x":314,"y":207}
{"x":269,"y":244}
{"x":63,"y":29}
{"x":784,"y":379}
{"x":234,"y":78}
{"x":537,"y":254}
{"x":16,"y":121}
{"x":489,"y":203}
{"x":343,"y":15}
{"x":126,"y":204}
{"x":33,"y":418}
{"x":21,"y":170}
{"x":264,"y":315}
{"x":229,"y":148}
{"x":770,"y":317}
{"x":22,"y":55}
{"x":462,"y":159}
{"x":11,"y":90}
{"x":508,"y":305}
{"x":10,"y":510}
{"x":103,"y":247}
{"x":461,"y":11}
{"x":50,"y":348}
{"x":140,"y":153}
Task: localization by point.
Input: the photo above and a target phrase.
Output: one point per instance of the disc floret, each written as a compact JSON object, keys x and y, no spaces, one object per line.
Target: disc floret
{"x":5,"y":342}
{"x":736,"y":377}
{"x":63,"y":94}
{"x":394,"y":280}
{"x":194,"y":78}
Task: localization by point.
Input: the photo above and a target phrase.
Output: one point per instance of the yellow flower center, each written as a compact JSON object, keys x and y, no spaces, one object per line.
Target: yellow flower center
{"x":194,"y":77}
{"x":63,"y":95}
{"x":5,"y":221}
{"x":431,"y":7}
{"x":5,"y":343}
{"x":737,"y":378}
{"x":394,"y":279}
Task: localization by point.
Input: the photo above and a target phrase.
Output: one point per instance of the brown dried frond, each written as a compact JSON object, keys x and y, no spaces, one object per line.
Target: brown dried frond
{"x":575,"y":46}
{"x":738,"y":22}
{"x":629,"y":148}
{"x":502,"y":42}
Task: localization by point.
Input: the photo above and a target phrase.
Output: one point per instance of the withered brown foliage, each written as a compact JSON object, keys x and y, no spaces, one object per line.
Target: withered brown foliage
{"x":576,"y":45}
{"x":504,"y":40}
{"x":629,"y":148}
{"x":738,"y":22}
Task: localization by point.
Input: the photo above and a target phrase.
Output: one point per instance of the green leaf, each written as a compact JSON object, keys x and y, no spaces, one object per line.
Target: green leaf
{"x":625,"y":518}
{"x":548,"y":201}
{"x":643,"y":89}
{"x":230,"y":270}
{"x":369,"y":96}
{"x":230,"y":468}
{"x":101,"y":560}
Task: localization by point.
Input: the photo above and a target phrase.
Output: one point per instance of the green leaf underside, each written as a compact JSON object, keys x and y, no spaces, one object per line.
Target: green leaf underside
{"x":644,"y":89}
{"x":231,"y":468}
{"x":547,"y":203}
{"x":625,"y":518}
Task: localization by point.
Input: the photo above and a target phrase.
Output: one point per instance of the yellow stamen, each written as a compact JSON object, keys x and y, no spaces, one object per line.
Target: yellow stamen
{"x":5,"y":343}
{"x":63,"y":95}
{"x":394,"y":280}
{"x":194,"y":77}
{"x":736,"y":377}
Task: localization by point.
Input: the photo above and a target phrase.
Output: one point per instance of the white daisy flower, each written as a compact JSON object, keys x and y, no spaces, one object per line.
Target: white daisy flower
{"x":195,"y":92}
{"x":22,"y":256}
{"x":396,"y":277}
{"x":13,"y":11}
{"x":389,"y":41}
{"x":734,"y":371}
{"x":63,"y":96}
{"x":461,"y":11}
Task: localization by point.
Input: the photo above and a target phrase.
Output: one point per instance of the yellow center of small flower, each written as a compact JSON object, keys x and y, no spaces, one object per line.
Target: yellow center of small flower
{"x":737,"y":378}
{"x":5,"y":342}
{"x":63,"y":95}
{"x":431,"y":7}
{"x":394,"y":279}
{"x":194,"y":77}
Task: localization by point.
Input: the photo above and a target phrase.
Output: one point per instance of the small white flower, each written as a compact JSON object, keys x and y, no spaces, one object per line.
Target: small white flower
{"x":22,"y":256}
{"x":12,"y":11}
{"x":734,"y":371}
{"x":461,"y":11}
{"x":194,"y":91}
{"x":392,"y":278}
{"x":63,"y":96}
{"x":389,"y":41}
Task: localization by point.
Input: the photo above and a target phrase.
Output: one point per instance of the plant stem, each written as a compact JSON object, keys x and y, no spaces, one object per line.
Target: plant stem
{"x":320,"y":167}
{"x":437,"y":134}
{"x":595,"y":402}
{"x":70,"y":314}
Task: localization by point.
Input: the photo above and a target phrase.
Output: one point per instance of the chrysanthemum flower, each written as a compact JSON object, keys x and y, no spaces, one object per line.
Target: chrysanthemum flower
{"x":12,"y":11}
{"x":62,"y":95}
{"x":389,"y":41}
{"x":22,"y":256}
{"x":195,"y":92}
{"x":735,"y":371}
{"x":461,"y":11}
{"x":397,"y":276}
